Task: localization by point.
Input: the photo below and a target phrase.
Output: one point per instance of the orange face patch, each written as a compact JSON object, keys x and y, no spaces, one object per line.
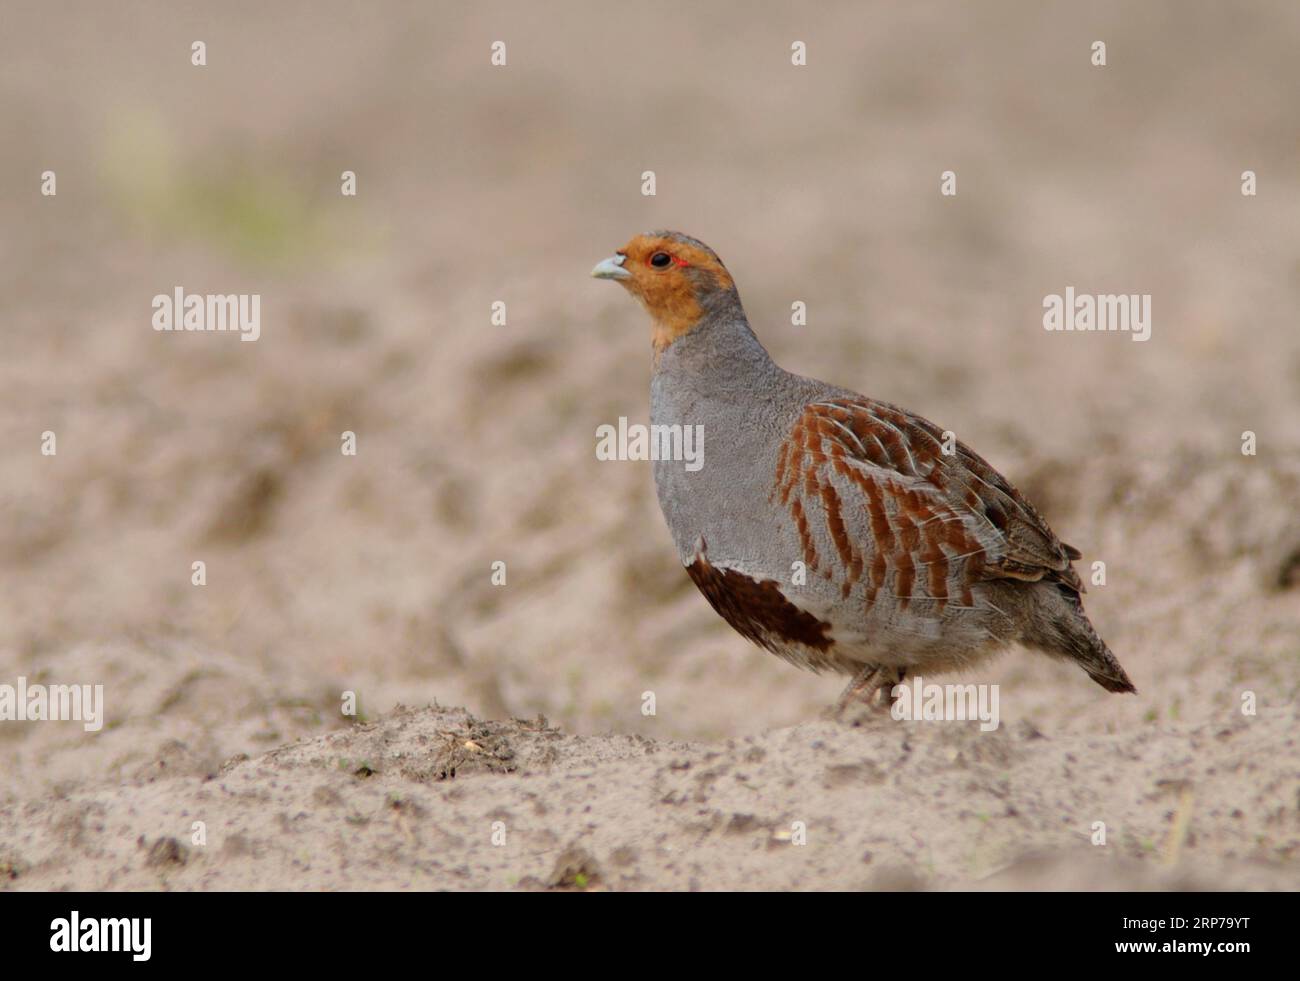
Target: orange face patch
{"x":670,"y":287}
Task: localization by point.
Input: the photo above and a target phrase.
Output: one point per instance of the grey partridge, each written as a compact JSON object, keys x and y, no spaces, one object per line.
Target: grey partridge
{"x":836,"y":531}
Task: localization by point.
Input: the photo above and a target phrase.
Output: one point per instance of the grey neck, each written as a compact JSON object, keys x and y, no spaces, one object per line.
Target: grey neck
{"x":721,"y":356}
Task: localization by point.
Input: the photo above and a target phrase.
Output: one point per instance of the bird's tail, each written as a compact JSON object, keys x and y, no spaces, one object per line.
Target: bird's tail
{"x":1059,"y":627}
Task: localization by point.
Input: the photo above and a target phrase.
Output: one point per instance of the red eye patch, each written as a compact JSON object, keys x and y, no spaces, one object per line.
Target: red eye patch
{"x":679,"y":262}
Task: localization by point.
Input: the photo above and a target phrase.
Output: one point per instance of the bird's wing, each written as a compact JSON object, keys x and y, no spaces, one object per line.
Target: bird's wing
{"x":929,"y":502}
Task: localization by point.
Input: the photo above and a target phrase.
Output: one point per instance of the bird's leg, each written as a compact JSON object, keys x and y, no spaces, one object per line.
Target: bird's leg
{"x":871,"y":686}
{"x":857,"y":690}
{"x":882,"y":697}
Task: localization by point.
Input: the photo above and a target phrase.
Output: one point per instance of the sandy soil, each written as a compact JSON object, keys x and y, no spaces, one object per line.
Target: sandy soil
{"x":438,"y":799}
{"x":371,"y":574}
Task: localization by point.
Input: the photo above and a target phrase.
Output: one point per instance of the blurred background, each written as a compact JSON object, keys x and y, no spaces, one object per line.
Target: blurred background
{"x":476,"y":442}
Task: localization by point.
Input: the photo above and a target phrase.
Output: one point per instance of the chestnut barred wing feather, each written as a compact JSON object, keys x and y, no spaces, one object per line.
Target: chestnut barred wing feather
{"x":938,"y":515}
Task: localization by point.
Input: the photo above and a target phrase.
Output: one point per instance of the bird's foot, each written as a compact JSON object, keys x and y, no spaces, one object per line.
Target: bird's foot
{"x":871,"y":689}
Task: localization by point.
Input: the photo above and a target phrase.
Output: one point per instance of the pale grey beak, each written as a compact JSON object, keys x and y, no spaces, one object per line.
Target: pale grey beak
{"x":611,"y":268}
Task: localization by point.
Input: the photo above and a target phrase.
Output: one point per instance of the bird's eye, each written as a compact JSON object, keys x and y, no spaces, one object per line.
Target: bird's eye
{"x":660,"y":259}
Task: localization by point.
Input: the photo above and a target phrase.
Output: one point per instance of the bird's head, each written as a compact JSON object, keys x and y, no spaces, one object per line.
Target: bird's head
{"x":678,"y":279}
